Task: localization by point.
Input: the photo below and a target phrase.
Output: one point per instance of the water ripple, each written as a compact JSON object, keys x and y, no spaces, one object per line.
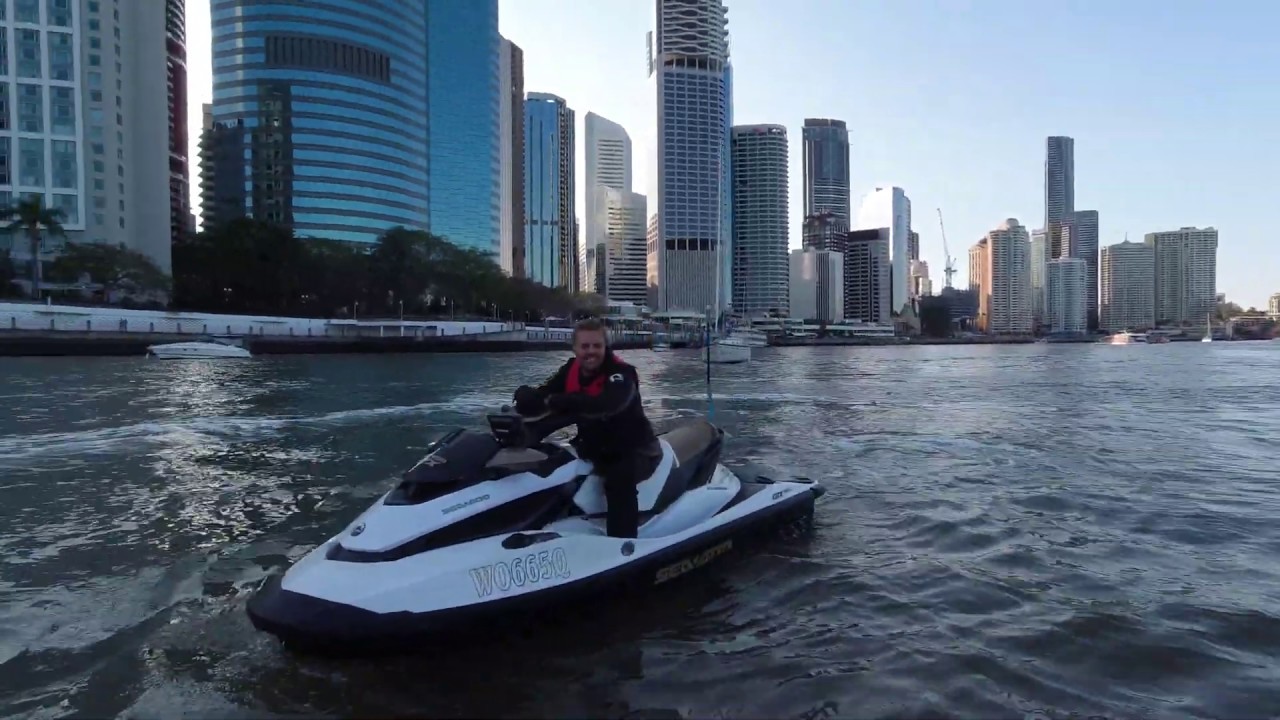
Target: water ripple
{"x":1047,"y":531}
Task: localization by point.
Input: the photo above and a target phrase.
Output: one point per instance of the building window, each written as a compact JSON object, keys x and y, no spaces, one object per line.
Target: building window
{"x":95,"y":79}
{"x":64,"y":164}
{"x":70,"y":207}
{"x":62,"y":64}
{"x":5,"y":161}
{"x":95,"y":25}
{"x":62,"y":110}
{"x":4,"y":105}
{"x":4,"y":48}
{"x":27,"y":11}
{"x":31,"y":162}
{"x":93,"y":6}
{"x":59,"y":12}
{"x":30,"y":109}
{"x":28,"y":42}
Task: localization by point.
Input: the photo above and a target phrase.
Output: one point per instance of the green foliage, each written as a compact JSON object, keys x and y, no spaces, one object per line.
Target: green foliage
{"x":251,"y":266}
{"x":29,"y":217}
{"x":115,"y":266}
{"x":7,"y":275}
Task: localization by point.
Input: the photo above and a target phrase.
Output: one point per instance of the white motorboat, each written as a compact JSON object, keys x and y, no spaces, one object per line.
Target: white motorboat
{"x":1126,"y":338}
{"x":501,"y":528}
{"x":751,"y":336}
{"x":213,"y":348}
{"x":727,"y":351}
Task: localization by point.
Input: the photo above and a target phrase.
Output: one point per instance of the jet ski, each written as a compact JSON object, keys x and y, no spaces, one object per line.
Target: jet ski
{"x":506,"y":524}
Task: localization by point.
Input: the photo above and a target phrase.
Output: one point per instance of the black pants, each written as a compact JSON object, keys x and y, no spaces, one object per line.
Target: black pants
{"x":621,"y":476}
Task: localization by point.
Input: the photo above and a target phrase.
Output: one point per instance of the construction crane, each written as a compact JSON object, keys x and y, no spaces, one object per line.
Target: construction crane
{"x":950,"y":268}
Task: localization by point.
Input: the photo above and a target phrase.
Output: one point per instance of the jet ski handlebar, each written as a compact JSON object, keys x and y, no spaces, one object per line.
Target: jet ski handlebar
{"x":511,"y":429}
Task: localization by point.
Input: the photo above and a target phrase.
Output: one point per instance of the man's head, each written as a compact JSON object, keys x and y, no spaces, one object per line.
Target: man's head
{"x":590,"y":343}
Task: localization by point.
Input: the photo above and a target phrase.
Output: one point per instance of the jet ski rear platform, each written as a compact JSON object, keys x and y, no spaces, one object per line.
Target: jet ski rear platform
{"x":494,"y":531}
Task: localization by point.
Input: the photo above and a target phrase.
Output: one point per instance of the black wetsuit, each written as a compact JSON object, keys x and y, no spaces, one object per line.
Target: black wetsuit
{"x":613,"y":431}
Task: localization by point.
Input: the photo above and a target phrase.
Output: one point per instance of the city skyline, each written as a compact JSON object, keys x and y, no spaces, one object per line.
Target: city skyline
{"x":931,"y":150}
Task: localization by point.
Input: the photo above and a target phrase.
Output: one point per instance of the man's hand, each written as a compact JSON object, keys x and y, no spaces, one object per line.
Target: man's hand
{"x":528,"y":401}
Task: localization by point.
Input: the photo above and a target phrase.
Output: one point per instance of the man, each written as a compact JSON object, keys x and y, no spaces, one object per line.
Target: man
{"x":603,"y":393}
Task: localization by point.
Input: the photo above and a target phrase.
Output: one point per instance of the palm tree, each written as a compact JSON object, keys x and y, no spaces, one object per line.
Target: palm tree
{"x":27,"y":216}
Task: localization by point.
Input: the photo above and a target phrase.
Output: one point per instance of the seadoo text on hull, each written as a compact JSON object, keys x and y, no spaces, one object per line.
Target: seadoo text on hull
{"x":493,"y":528}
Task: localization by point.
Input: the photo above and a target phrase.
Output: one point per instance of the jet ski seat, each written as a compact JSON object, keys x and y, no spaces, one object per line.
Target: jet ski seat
{"x":690,"y":439}
{"x":682,"y":450}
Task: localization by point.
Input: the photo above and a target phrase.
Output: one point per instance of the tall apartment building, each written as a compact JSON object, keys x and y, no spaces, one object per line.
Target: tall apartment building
{"x":1080,"y":237}
{"x":889,"y":207}
{"x":608,"y":165}
{"x":1059,"y":189}
{"x":1039,"y":266}
{"x":511,"y":158}
{"x":87,"y":88}
{"x":866,"y":276}
{"x":761,"y":274}
{"x":1127,"y":279}
{"x":913,"y":245}
{"x":1000,"y":269}
{"x":817,"y":285}
{"x":1186,"y":270}
{"x":825,"y":145}
{"x":690,"y":221}
{"x":175,"y":25}
{"x":551,"y":256}
{"x":622,"y":260}
{"x":1273,"y":305}
{"x":1066,"y":283}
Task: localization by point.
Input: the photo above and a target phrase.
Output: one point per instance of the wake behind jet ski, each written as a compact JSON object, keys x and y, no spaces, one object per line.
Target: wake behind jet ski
{"x":494,"y":526}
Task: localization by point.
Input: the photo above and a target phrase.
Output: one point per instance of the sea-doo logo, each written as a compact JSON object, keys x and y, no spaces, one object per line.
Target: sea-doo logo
{"x":675,"y":570}
{"x":526,"y":570}
{"x":466,"y":503}
{"x":616,"y":377}
{"x":357,"y":530}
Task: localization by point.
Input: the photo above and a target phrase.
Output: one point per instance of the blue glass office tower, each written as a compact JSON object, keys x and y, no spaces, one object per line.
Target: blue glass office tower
{"x":463,"y":48}
{"x":331,"y":100}
{"x":549,"y":190}
{"x":360,"y":115}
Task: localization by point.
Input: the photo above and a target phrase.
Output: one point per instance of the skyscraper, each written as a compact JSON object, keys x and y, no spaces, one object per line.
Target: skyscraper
{"x":817,"y":285}
{"x":1039,"y":266}
{"x":551,"y":258}
{"x":1127,"y":276}
{"x":826,"y":167}
{"x":1059,"y":189}
{"x":1186,"y":270}
{"x":866,"y":276}
{"x":689,"y":226}
{"x":87,"y":95}
{"x":889,"y":207}
{"x":608,"y":165}
{"x":1000,"y":269}
{"x":1080,"y":237}
{"x":622,"y":262}
{"x":511,"y":156}
{"x":462,"y":96}
{"x":175,"y":22}
{"x":1066,"y":282}
{"x":760,"y":238}
{"x":327,"y":105}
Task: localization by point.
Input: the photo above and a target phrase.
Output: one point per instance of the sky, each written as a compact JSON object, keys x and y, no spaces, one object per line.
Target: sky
{"x":1174,"y":106}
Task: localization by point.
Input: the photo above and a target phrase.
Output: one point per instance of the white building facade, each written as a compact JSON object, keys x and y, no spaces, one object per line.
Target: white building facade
{"x":607,"y":148}
{"x":817,"y":285}
{"x":624,"y":246}
{"x":1186,"y":270}
{"x":85,"y":121}
{"x":1127,"y":279}
{"x":1066,"y":283}
{"x":760,"y":216}
{"x":889,"y":207}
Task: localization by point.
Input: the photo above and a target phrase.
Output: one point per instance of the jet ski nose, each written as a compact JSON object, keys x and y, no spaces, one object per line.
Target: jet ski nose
{"x":818,"y":491}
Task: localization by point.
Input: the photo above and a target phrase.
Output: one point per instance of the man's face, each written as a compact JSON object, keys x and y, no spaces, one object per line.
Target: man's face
{"x":588,"y":346}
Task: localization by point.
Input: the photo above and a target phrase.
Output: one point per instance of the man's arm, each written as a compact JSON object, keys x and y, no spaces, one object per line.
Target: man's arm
{"x":620,"y":388}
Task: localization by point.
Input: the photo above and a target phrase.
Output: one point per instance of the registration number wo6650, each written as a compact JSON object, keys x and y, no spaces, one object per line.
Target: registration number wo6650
{"x":525,"y":570}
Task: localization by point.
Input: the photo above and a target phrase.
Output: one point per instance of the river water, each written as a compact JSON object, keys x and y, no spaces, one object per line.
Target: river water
{"x":1009,"y":531}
